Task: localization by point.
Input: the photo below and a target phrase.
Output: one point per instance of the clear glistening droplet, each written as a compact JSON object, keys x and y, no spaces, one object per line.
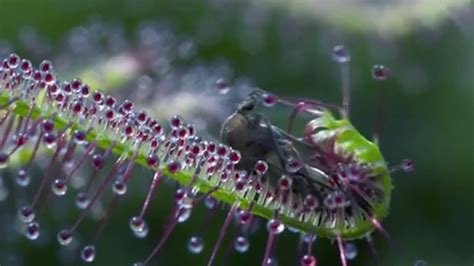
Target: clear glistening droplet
{"x":340,"y":54}
{"x":119,"y":187}
{"x":143,"y":233}
{"x":222,"y":86}
{"x":88,"y":253}
{"x":308,"y":260}
{"x":195,"y":244}
{"x":137,"y":224}
{"x":82,"y":200}
{"x":271,"y":262}
{"x":33,"y":231}
{"x":350,"y":250}
{"x":380,"y":72}
{"x":64,"y":237}
{"x":22,"y":178}
{"x":241,"y":244}
{"x":184,"y":215}
{"x":59,"y":187}
{"x":26,"y":214}
{"x":275,"y":226}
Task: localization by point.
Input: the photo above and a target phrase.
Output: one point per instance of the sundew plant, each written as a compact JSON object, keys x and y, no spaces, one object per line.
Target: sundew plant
{"x":230,"y":133}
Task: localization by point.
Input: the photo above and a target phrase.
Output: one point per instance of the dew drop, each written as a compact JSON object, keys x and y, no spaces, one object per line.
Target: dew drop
{"x":137,"y":224}
{"x":261,"y":167}
{"x":143,"y":233}
{"x":308,"y":260}
{"x":26,"y":66}
{"x":285,"y":182}
{"x":340,"y":54}
{"x":138,"y":264}
{"x":64,"y":237}
{"x":33,"y":231}
{"x":223,"y":86}
{"x":88,"y":253}
{"x":350,"y":250}
{"x":59,"y":187}
{"x":13,"y":61}
{"x":110,"y":101}
{"x":98,"y":97}
{"x":241,"y":244}
{"x":152,"y":160}
{"x":245,"y":217}
{"x":182,"y":199}
{"x":339,"y":199}
{"x":174,"y":167}
{"x":20,"y":139}
{"x":275,"y":226}
{"x":195,"y":244}
{"x":234,"y":157}
{"x":26,"y":214}
{"x":80,"y":137}
{"x":49,"y":140}
{"x":408,"y":165}
{"x":329,"y":202}
{"x":119,"y":187}
{"x":380,"y":72}
{"x":269,"y":100}
{"x":271,"y":262}
{"x":311,"y":202}
{"x":184,"y":215}
{"x":210,"y":202}
{"x":128,"y":106}
{"x":22,"y":179}
{"x":176,"y":121}
{"x":4,"y":159}
{"x":222,"y":150}
{"x":82,"y":200}
{"x":46,"y":66}
{"x":98,"y":161}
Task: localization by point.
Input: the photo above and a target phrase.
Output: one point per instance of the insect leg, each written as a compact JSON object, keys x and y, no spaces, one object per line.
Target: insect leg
{"x":305,"y":106}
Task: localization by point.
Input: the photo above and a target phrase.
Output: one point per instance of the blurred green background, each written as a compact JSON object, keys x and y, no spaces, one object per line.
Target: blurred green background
{"x":429,"y":114}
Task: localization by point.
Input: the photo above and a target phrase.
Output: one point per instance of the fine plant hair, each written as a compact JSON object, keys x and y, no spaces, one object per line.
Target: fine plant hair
{"x":331,"y":182}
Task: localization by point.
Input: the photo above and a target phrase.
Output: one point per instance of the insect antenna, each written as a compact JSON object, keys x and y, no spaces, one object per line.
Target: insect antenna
{"x":301,"y":105}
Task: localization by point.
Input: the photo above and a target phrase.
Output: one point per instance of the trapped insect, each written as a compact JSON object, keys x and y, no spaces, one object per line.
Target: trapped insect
{"x":331,"y":177}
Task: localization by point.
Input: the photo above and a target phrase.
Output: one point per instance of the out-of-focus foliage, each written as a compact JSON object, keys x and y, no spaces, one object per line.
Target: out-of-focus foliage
{"x":429,"y":108}
{"x":386,"y":17}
